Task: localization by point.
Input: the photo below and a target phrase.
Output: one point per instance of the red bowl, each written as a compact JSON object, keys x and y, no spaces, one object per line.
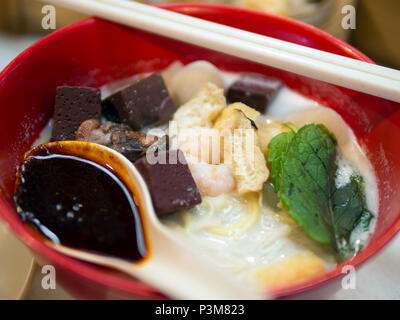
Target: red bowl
{"x":93,"y":52}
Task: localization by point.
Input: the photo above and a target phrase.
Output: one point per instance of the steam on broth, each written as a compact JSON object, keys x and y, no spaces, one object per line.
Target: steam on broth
{"x":250,"y":218}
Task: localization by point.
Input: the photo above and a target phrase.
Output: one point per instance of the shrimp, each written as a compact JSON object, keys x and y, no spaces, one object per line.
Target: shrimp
{"x":212,"y":179}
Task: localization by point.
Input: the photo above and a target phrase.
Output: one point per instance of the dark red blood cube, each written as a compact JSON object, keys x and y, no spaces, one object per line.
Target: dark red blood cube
{"x":171,"y":184}
{"x":255,"y":90}
{"x":74,"y":105}
{"x":144,"y":103}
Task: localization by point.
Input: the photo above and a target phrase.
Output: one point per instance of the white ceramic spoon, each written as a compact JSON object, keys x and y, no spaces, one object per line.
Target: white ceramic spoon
{"x":171,"y":266}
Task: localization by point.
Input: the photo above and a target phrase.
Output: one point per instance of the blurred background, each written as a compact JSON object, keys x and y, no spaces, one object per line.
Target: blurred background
{"x":376,"y":34}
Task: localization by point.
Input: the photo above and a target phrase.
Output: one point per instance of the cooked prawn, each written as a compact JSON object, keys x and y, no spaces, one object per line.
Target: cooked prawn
{"x":212,"y":179}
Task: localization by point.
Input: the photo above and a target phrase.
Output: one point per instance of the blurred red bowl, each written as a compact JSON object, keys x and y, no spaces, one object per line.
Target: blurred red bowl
{"x":93,"y":52}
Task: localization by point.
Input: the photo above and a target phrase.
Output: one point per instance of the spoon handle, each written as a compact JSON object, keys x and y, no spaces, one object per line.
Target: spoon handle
{"x":175,"y":273}
{"x":180,"y":277}
{"x":177,"y":269}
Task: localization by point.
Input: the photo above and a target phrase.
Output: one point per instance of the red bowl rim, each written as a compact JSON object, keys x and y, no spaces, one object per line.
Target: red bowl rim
{"x":107,"y":279}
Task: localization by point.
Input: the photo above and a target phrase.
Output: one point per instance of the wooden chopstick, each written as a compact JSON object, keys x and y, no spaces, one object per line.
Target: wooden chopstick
{"x":349,"y":73}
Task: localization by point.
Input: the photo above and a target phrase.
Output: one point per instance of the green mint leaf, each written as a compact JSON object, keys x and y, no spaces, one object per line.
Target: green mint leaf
{"x":349,"y":214}
{"x":303,"y":167}
{"x":277,"y":150}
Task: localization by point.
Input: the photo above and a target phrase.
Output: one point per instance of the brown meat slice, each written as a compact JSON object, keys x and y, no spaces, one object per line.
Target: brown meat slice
{"x":131,"y":144}
{"x":117,"y":136}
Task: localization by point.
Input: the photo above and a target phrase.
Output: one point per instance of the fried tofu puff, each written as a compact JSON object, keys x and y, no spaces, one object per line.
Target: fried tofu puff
{"x":248,"y":111}
{"x":298,"y":267}
{"x":241,"y":148}
{"x":202,"y":109}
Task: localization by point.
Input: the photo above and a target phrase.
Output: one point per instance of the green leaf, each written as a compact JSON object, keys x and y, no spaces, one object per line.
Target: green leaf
{"x":349,"y":214}
{"x":277,"y":150}
{"x":303,"y":167}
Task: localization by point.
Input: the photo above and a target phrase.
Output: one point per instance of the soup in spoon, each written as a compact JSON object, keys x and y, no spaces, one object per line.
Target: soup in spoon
{"x":79,"y":203}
